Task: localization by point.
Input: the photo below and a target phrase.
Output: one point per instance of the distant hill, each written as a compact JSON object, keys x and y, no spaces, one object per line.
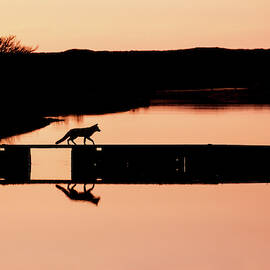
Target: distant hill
{"x":70,"y":81}
{"x":173,"y":69}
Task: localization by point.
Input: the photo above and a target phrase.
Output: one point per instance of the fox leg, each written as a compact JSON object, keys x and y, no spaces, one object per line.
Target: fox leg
{"x":73,"y":192}
{"x":89,"y":139}
{"x":71,"y":187}
{"x":85,"y":190}
{"x":72,"y":138}
{"x":73,"y":141}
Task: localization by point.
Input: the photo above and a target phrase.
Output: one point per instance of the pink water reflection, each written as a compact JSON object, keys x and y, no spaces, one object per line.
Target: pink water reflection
{"x":165,"y":125}
{"x":144,"y":226}
{"x":137,"y":227}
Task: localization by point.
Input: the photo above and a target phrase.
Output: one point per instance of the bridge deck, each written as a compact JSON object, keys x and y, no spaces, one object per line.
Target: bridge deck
{"x":148,"y":163}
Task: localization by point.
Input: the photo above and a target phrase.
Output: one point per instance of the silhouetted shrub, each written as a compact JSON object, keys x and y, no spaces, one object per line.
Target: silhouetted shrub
{"x":10,"y":45}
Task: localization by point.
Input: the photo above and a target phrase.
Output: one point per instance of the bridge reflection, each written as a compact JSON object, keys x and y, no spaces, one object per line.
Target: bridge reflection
{"x":146,"y":164}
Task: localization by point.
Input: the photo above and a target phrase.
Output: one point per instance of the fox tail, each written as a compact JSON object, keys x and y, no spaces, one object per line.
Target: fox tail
{"x":62,"y":139}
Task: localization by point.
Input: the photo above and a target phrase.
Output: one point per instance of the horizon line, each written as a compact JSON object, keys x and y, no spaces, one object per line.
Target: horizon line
{"x":154,"y":50}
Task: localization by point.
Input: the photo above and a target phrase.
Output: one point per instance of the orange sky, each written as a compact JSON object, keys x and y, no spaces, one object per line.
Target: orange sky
{"x":57,"y":25}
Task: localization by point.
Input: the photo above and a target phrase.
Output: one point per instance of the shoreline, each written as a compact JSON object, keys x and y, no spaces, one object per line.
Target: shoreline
{"x":20,"y":126}
{"x":16,"y":125}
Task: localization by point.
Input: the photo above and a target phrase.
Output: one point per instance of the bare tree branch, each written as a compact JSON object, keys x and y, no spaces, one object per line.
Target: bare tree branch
{"x":10,"y":45}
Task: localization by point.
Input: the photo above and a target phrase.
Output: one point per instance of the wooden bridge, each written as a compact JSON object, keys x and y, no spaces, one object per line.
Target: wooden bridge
{"x":158,"y":164}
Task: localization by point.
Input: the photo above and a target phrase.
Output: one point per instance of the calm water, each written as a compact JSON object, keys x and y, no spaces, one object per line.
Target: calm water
{"x":156,"y":125}
{"x":140,"y":226}
{"x":165,"y":125}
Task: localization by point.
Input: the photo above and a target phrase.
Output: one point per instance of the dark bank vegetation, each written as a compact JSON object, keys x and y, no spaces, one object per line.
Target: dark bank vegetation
{"x":11,"y":125}
{"x":85,"y":81}
{"x":81,"y":81}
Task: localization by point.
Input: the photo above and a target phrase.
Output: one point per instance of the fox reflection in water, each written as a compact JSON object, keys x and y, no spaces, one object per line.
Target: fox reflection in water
{"x":86,"y":195}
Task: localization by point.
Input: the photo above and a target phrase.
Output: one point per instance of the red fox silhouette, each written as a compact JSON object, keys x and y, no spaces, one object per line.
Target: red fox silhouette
{"x":72,"y":134}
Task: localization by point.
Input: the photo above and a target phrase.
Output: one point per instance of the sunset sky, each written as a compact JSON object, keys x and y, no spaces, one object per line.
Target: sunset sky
{"x":57,"y":25}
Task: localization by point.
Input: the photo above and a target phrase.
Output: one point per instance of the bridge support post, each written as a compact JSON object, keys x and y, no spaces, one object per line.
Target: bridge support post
{"x":15,"y":164}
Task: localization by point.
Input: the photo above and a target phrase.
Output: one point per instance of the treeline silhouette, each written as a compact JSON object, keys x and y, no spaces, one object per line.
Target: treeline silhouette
{"x":85,"y":81}
{"x":78,"y":81}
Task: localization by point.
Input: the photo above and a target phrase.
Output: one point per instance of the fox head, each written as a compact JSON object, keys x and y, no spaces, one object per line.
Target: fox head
{"x":97,"y":127}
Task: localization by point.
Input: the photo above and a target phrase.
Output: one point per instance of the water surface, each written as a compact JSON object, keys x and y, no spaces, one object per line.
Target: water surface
{"x":140,"y":226}
{"x":137,"y":227}
{"x":165,"y":125}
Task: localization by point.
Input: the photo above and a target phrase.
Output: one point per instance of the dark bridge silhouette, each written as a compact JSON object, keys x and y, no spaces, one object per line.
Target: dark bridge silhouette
{"x":148,"y":164}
